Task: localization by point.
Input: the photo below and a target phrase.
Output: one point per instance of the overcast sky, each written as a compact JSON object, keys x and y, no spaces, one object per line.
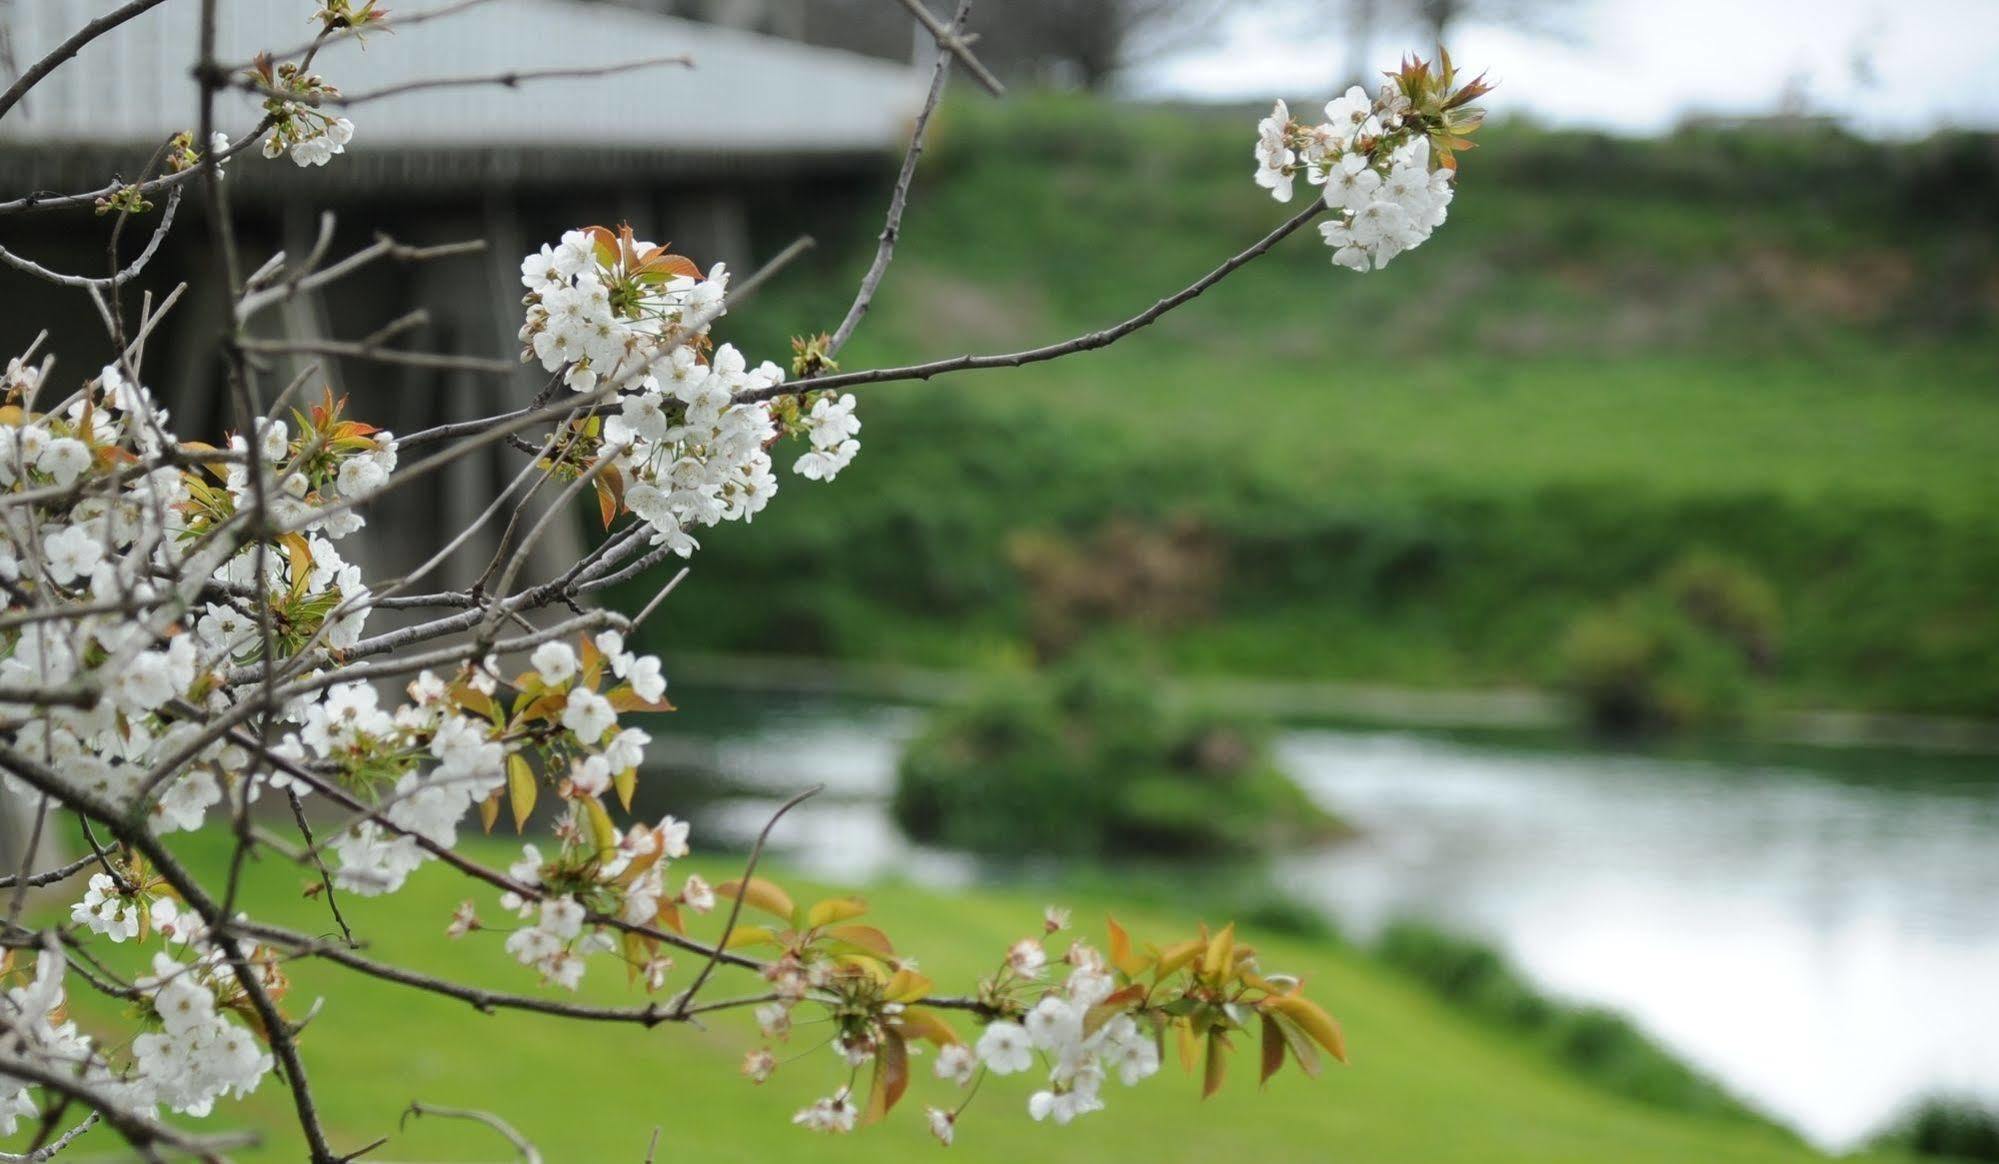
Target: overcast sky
{"x":1887,"y":67}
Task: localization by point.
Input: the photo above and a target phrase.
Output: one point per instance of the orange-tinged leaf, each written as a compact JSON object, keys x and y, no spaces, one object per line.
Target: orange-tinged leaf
{"x":759,"y":894}
{"x":1111,"y":1007}
{"x":1273,"y":1048}
{"x":1217,"y":1065}
{"x":868,"y":964}
{"x":1219,"y":958}
{"x":906,"y":986}
{"x":299,"y":556}
{"x":865,"y":937}
{"x":607,"y":499}
{"x":489,"y":811}
{"x":1122,"y":956}
{"x":891,"y":1077}
{"x":1190,"y":1046}
{"x":521,"y":789}
{"x":623,"y":699}
{"x":1315,"y":1022}
{"x":1173,"y":957}
{"x":917,"y":1022}
{"x":750,"y":936}
{"x":1302,"y":1047}
{"x":834,"y":909}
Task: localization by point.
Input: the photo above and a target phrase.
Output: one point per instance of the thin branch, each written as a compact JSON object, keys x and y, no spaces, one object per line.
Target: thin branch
{"x":70,"y":48}
{"x":529,"y":1153}
{"x":63,"y":873}
{"x":510,"y":79}
{"x":892,"y":229}
{"x":118,"y":279}
{"x":380,"y":355}
{"x":745,"y":288}
{"x":1081,"y":343}
{"x":686,"y":998}
{"x":393,"y":22}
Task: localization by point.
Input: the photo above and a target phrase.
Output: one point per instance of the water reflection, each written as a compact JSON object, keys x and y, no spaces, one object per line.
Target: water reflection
{"x":1825,"y":939}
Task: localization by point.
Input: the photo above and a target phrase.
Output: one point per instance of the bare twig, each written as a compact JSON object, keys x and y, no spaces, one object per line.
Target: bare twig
{"x":529,"y":1153}
{"x":512,"y":78}
{"x":948,"y":41}
{"x":69,"y":48}
{"x":686,"y":998}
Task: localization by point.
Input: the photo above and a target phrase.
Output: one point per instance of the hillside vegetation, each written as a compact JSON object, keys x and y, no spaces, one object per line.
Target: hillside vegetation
{"x":1618,"y":356}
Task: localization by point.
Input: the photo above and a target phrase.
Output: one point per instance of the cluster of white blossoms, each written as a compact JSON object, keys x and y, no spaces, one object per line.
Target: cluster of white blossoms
{"x":191,"y":1054}
{"x":198,"y":1055}
{"x":149,"y":548}
{"x":627,"y":319}
{"x":1079,"y":1056}
{"x":299,"y":127}
{"x":1384,"y":164}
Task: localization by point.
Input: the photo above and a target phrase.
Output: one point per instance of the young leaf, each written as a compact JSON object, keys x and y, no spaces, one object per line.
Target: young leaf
{"x":1219,"y":958}
{"x":1302,"y":1047}
{"x":1217,"y":1066}
{"x":520,"y":789}
{"x":750,"y":936}
{"x":916,"y":1022}
{"x":1273,"y":1048}
{"x":906,"y":986}
{"x":1313,"y":1020}
{"x":834,"y":909}
{"x":867,"y":938}
{"x":626,"y":783}
{"x":891,"y":1077}
{"x":605,"y":832}
{"x":1122,"y":957}
{"x":759,"y":894}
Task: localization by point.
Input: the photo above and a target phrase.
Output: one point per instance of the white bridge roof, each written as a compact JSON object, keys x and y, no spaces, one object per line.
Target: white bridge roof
{"x":746,"y":94}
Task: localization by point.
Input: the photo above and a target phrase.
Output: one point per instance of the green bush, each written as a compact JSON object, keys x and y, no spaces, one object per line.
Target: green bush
{"x":1086,"y":759}
{"x":1597,"y":1044}
{"x":1683,"y":652}
{"x":1950,"y":1127}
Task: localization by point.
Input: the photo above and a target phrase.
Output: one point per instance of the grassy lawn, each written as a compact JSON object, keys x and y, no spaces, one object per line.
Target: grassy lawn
{"x":1424,"y":1086}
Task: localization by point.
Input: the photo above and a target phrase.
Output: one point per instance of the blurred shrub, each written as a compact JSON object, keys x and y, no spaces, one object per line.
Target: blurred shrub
{"x":1087,"y":759}
{"x":1126,"y":573}
{"x":1683,"y":652}
{"x":1599,"y":1045}
{"x":1951,"y":1127}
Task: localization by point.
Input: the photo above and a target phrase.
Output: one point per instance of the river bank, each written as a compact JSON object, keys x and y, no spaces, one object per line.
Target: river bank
{"x":1358,"y":704}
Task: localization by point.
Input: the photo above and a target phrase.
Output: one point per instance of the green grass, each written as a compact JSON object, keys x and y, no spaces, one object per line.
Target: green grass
{"x":1426,"y":1085}
{"x":1615,"y":354}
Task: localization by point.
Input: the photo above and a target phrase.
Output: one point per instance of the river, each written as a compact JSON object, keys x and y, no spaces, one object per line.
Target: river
{"x":1819,"y":931}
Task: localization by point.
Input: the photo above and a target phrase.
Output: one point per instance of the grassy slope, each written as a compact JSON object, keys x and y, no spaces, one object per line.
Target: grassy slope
{"x":1613,"y":353}
{"x":1426,"y":1086}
